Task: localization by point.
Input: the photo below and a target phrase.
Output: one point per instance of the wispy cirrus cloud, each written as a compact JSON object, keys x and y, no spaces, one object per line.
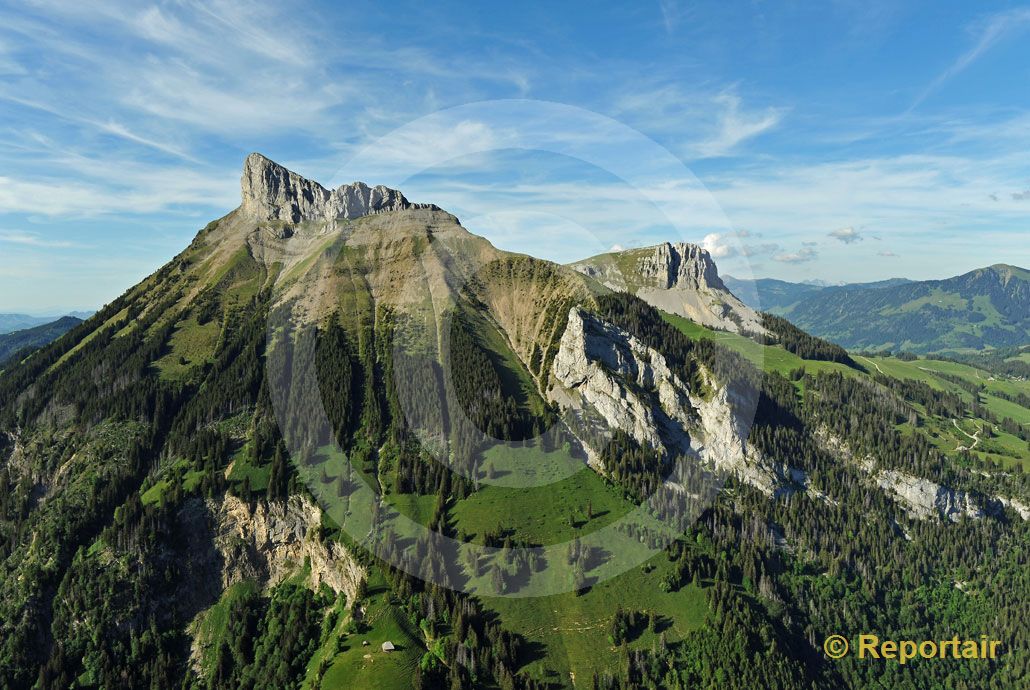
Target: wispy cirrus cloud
{"x":899,"y":197}
{"x":704,"y":124}
{"x":672,"y":12}
{"x":68,"y":184}
{"x":736,"y":126}
{"x":110,"y":127}
{"x":987,"y":33}
{"x":31,"y":239}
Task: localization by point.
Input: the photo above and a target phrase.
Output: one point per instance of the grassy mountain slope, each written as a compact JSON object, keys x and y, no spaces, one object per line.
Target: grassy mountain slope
{"x":993,"y":394}
{"x":169,"y":378}
{"x":1009,"y":361}
{"x":985,"y":308}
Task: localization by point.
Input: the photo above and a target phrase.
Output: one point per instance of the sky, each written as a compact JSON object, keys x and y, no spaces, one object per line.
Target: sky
{"x":835,"y":141}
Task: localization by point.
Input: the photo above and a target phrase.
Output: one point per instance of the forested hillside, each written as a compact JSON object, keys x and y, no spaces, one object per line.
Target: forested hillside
{"x":983,"y":309}
{"x":163,"y":523}
{"x":25,"y":341}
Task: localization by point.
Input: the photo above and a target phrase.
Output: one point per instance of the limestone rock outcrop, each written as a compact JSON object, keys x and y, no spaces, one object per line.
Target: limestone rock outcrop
{"x":268,"y":542}
{"x":679,"y":278}
{"x":680,"y":265}
{"x":595,"y":359}
{"x":271,"y":192}
{"x":605,"y":373}
{"x":1021,"y":509}
{"x":924,"y":498}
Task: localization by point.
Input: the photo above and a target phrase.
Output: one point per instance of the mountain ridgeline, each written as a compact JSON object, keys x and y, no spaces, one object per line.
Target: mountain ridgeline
{"x":983,"y":309}
{"x":24,"y":341}
{"x":341,"y":442}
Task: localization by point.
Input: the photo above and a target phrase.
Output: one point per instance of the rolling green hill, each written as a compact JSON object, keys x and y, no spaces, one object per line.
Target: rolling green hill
{"x":983,"y":309}
{"x":769,"y":294}
{"x":780,"y":296}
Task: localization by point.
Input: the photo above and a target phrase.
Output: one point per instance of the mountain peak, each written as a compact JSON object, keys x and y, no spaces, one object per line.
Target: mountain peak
{"x":270,"y":191}
{"x":672,"y":264}
{"x":677,"y":277}
{"x":1009,"y":270}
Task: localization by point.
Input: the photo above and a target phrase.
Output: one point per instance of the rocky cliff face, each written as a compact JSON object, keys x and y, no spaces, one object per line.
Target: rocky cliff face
{"x":680,"y":265}
{"x":263,"y":542}
{"x":595,"y":361}
{"x":271,"y":192}
{"x":603,"y":373}
{"x":922,"y":498}
{"x":679,"y":278}
{"x":268,"y":542}
{"x":925,"y":499}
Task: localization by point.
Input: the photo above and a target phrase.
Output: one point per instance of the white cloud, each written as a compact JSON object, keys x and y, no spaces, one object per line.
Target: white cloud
{"x":902,"y":198}
{"x":229,"y":68}
{"x":846,"y":235}
{"x":430,"y":142}
{"x":718,"y":246}
{"x":896,"y":194}
{"x":802,"y":255}
{"x":109,"y":127}
{"x":31,"y":239}
{"x":128,"y":189}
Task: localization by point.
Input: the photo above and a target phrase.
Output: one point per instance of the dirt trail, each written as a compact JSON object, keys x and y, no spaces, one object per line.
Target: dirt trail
{"x":874,"y":364}
{"x":975,"y":437}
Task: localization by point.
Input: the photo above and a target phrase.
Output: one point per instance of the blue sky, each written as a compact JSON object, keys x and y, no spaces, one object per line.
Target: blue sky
{"x":826,"y":140}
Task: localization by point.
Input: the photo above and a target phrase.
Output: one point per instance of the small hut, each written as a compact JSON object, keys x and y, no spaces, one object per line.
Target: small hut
{"x":388,"y":646}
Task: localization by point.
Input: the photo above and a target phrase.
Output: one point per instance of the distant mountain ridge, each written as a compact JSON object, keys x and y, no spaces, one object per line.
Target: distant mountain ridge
{"x":10,"y":323}
{"x":37,"y":336}
{"x":769,"y":294}
{"x":984,"y":308}
{"x":778,"y":296}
